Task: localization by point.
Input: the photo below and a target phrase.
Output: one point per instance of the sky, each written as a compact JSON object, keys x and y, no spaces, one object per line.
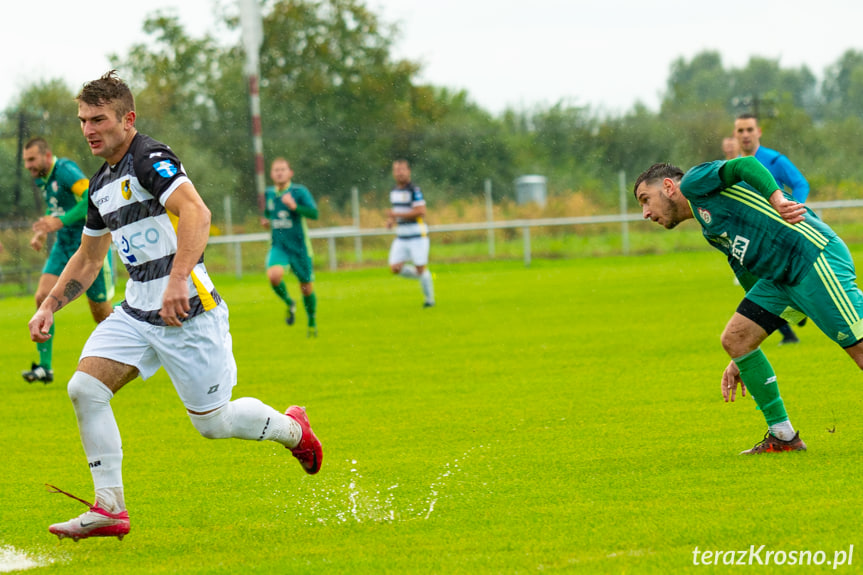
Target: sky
{"x":606,"y":54}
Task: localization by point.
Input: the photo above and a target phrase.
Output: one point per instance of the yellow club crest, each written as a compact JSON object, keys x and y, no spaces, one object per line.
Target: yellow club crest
{"x":126,"y":189}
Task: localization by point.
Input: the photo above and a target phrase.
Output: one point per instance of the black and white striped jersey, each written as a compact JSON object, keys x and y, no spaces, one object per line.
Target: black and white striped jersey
{"x":128,"y":200}
{"x":402,"y":201}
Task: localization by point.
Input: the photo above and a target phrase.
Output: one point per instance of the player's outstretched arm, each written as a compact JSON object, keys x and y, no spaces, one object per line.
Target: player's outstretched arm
{"x":83,"y":267}
{"x":193,"y":231}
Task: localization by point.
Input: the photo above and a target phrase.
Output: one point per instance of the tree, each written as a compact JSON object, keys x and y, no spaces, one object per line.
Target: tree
{"x":760,"y":87}
{"x":702,"y":80}
{"x":188,"y":94}
{"x":333,"y":100}
{"x":48,"y":110}
{"x":843,"y":87}
{"x":455,"y":143}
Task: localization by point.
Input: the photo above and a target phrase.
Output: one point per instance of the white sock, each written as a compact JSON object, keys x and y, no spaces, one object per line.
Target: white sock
{"x":427,"y":285}
{"x":784,"y":430}
{"x":100,"y":436}
{"x":248,"y":418}
{"x":409,"y":271}
{"x":111,"y":499}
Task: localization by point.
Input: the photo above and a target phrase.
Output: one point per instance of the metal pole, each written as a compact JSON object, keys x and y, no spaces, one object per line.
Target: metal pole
{"x":355,"y":208}
{"x":624,"y":225}
{"x":19,"y":163}
{"x":526,"y":231}
{"x":489,"y":216}
{"x":229,"y":230}
{"x":257,"y":140}
{"x":331,"y":244}
{"x":252,"y":26}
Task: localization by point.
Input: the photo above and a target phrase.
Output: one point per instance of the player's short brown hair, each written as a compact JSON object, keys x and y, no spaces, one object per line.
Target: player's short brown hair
{"x":658,"y":171}
{"x":40,"y":143}
{"x":109,"y":90}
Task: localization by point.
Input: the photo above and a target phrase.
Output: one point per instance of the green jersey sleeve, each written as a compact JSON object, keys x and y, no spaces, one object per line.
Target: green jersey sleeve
{"x":306,"y":205}
{"x":77,"y":214}
{"x":65,"y":189}
{"x":752,"y":172}
{"x":269,"y":203}
{"x":70,"y":176}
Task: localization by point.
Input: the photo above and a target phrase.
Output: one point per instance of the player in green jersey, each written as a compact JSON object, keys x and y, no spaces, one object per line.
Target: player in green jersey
{"x":286,"y":208}
{"x":790,"y":263}
{"x":747,"y":132}
{"x":64,"y":190}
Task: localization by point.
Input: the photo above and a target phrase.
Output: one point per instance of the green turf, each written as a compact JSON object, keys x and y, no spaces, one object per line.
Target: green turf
{"x":562,"y":417}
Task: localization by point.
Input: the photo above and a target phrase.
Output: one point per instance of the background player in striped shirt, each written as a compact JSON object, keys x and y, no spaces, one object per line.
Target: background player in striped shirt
{"x":286,"y":208}
{"x":787,"y":259}
{"x":407,"y":214}
{"x":64,"y":191}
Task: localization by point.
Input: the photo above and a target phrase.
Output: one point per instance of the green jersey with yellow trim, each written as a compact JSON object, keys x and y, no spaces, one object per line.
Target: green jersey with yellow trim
{"x":730,"y":199}
{"x":64,"y":188}
{"x":289,"y":226}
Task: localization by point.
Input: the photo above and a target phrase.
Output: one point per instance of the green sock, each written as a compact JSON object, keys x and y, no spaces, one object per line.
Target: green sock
{"x":282,"y":291}
{"x":760,"y":380}
{"x":311,"y":304}
{"x":46,"y":350}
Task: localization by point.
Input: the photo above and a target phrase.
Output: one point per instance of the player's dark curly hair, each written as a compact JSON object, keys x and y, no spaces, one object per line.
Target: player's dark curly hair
{"x":109,"y":90}
{"x":656,"y":172}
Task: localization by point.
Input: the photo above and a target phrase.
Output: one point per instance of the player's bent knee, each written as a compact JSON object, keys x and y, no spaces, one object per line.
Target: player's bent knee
{"x":84,"y":388}
{"x":215,"y":424}
{"x":735,"y":344}
{"x":726,"y":342}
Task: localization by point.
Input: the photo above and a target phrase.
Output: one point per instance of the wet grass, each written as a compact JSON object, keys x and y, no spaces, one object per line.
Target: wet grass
{"x":564,"y":416}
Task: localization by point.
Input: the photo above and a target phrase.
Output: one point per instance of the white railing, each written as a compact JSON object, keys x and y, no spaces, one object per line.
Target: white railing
{"x":331,"y":234}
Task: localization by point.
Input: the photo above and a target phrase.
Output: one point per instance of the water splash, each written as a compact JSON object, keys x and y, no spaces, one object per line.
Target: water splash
{"x":12,"y":559}
{"x":357,"y":501}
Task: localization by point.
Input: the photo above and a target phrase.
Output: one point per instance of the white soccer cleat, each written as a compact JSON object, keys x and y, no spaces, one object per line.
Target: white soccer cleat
{"x":93,"y":523}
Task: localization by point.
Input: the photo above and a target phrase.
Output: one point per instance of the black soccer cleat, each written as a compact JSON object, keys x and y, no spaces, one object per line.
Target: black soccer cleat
{"x":38,"y":373}
{"x":772,"y":444}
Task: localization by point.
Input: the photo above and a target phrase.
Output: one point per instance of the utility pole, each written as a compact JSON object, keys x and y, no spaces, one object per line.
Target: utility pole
{"x":19,"y":159}
{"x":253,"y":36}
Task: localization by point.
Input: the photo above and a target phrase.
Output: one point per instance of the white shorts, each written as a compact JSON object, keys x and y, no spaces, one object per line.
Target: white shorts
{"x":198,"y":356}
{"x":415,"y":250}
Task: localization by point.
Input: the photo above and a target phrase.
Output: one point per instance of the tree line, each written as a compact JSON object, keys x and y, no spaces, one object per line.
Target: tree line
{"x":339,"y":106}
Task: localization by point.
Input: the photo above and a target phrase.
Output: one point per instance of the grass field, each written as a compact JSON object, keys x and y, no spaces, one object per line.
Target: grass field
{"x":562,"y":417}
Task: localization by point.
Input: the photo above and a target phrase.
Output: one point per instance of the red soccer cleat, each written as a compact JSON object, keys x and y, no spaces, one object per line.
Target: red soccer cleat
{"x":308,"y":451}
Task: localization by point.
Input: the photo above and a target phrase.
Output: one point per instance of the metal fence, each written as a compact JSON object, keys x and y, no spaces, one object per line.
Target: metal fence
{"x":26,"y":276}
{"x":331,"y":234}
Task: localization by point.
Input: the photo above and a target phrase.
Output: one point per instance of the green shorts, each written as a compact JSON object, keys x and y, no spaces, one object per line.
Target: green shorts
{"x":299,"y":262}
{"x":828,"y":294}
{"x":102,"y":288}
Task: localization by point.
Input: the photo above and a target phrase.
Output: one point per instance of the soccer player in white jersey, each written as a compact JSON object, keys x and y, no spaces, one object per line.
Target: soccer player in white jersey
{"x":172,"y":316}
{"x":407,"y":213}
